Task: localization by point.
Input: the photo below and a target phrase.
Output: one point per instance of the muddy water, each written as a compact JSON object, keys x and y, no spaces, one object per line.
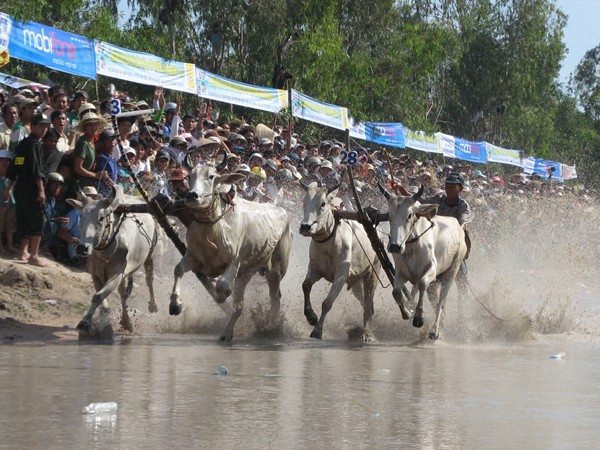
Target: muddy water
{"x":302,"y":394}
{"x":488,"y":383}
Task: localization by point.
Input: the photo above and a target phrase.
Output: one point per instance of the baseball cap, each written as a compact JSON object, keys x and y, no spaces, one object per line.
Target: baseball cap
{"x":26,"y":102}
{"x":5,"y":154}
{"x":455,"y":178}
{"x":107,"y":133}
{"x":244,"y":168}
{"x":54,"y":176}
{"x":162,"y":154}
{"x":42,"y":119}
{"x":91,"y":191}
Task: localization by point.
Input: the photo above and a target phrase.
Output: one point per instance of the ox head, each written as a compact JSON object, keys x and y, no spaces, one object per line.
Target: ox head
{"x":317,"y":205}
{"x":404,"y":211}
{"x":205,"y":182}
{"x":95,"y":217}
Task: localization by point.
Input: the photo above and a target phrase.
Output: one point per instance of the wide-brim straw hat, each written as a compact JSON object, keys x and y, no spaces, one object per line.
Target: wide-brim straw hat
{"x":90,"y":117}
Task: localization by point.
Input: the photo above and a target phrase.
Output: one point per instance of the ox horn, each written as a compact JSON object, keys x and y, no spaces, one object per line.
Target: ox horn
{"x":383,"y":190}
{"x":417,"y":196}
{"x":333,"y":188}
{"x":187,"y":162}
{"x":223,"y":163}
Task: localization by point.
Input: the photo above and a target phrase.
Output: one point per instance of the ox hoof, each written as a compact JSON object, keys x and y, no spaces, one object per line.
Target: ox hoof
{"x":368,"y":339}
{"x":311,"y":317}
{"x":175,"y":309}
{"x":152,"y":307}
{"x":84,"y":325}
{"x":316,"y":334}
{"x":418,"y":321}
{"x":434,"y":335}
{"x":225,"y":338}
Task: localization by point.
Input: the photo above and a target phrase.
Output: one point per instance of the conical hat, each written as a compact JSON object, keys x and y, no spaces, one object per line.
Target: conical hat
{"x":263,"y":131}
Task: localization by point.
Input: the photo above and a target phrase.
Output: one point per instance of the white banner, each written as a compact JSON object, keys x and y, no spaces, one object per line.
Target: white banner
{"x":223,"y":89}
{"x":419,"y":140}
{"x":503,"y":156}
{"x":143,"y":68}
{"x":308,"y":108}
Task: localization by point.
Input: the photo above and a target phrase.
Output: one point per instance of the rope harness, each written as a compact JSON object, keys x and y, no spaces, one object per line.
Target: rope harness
{"x":109,"y":231}
{"x":204,"y":215}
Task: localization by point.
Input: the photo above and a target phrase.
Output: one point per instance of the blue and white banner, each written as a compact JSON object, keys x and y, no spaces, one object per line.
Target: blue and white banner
{"x":308,"y":108}
{"x":454,"y":147}
{"x":391,"y":134}
{"x":501,"y":155}
{"x":223,"y":89}
{"x":18,"y":83}
{"x":543,"y":167}
{"x":53,"y":48}
{"x":419,"y":140}
{"x":144,"y":68}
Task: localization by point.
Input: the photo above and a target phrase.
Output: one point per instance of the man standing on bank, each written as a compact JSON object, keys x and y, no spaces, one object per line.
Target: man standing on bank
{"x":26,"y":173}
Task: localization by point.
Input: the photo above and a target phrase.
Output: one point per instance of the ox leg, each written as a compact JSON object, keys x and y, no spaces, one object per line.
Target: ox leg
{"x":149,"y":272}
{"x":336,"y":288}
{"x":98,"y":298}
{"x":442,"y":293}
{"x":369,"y":286}
{"x":311,"y":278}
{"x":185,"y":265}
{"x":398,"y":291}
{"x":273,"y":281}
{"x":125,"y":288}
{"x":423,"y":284}
{"x":238,"y":304}
{"x":436,"y":297}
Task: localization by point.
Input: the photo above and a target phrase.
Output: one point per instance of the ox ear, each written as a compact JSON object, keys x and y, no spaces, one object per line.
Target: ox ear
{"x":75,"y":203}
{"x":426,"y":210}
{"x":229,"y":178}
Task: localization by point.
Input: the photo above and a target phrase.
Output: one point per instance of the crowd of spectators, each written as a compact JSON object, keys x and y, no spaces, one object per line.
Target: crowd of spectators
{"x":54,"y":145}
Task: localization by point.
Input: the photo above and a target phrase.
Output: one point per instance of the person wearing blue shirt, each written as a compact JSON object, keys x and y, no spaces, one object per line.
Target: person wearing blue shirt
{"x":105,"y":145}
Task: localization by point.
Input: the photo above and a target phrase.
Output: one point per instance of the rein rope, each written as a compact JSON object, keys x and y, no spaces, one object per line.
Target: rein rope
{"x":364,"y":251}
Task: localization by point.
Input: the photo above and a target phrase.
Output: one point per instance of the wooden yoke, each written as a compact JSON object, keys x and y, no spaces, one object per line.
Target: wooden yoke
{"x":364,"y":219}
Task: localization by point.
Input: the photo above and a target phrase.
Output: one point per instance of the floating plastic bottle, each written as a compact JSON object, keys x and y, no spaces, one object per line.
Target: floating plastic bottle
{"x":559,"y":355}
{"x":222,"y":371}
{"x":93,"y":408}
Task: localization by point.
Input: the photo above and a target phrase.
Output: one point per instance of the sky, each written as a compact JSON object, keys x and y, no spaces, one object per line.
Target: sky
{"x":581,"y":33}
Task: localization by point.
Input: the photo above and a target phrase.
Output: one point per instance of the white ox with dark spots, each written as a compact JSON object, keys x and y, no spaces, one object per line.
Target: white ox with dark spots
{"x":341,"y":253}
{"x":232,"y":240}
{"x":117,"y":244}
{"x":424,"y":249}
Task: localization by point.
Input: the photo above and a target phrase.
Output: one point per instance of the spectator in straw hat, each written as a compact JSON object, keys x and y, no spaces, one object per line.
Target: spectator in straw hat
{"x":84,"y":155}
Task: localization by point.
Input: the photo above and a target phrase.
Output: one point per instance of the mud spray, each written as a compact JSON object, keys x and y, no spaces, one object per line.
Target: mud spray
{"x":534,"y":264}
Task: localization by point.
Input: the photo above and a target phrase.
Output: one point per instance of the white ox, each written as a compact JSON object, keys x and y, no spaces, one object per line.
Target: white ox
{"x":423,"y":250}
{"x":232,"y":240}
{"x":341,"y":253}
{"x":117,"y":245}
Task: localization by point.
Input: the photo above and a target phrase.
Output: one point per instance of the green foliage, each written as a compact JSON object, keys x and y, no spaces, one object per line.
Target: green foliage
{"x":478,"y":69}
